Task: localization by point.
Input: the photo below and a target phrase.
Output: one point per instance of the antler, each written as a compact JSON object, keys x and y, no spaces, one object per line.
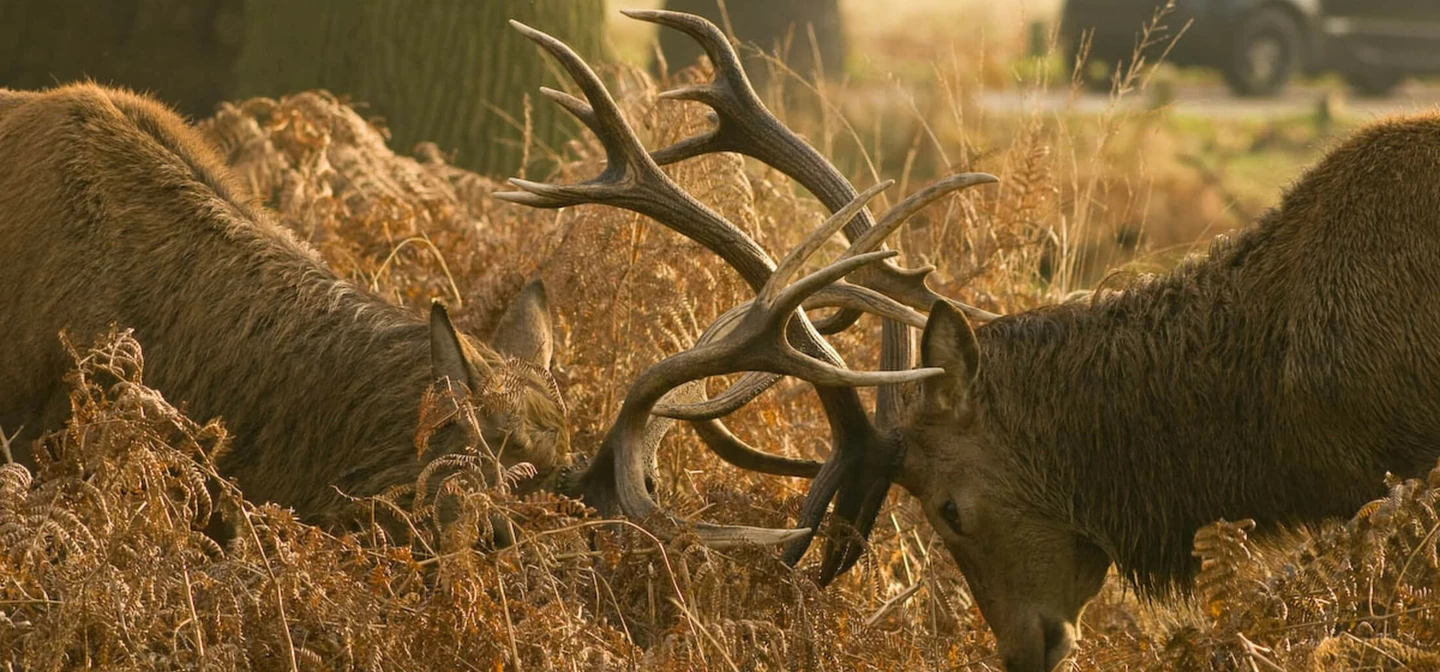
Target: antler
{"x":751,"y":337}
{"x":746,"y":126}
{"x":769,"y":334}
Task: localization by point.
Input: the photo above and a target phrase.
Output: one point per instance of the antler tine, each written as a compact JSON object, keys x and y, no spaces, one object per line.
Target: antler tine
{"x":841,"y":469}
{"x":864,"y":299}
{"x":751,"y":385}
{"x":762,"y":329}
{"x":631,"y":180}
{"x":744,"y":124}
{"x":902,"y":211}
{"x":813,"y":242}
{"x":859,"y":504}
{"x":731,"y":449}
{"x":875,"y":236}
{"x":840,"y":320}
{"x":630,"y":454}
{"x":578,"y":108}
{"x":622,"y":148}
{"x":838,"y":294}
{"x":971,"y":311}
{"x":728,"y":70}
{"x":801,"y":289}
{"x":725,"y":444}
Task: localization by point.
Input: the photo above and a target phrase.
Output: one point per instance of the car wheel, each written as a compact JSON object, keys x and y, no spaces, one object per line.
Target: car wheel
{"x":1371,"y":82}
{"x":1265,"y":54}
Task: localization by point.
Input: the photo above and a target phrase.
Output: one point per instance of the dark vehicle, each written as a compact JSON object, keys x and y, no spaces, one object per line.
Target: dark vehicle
{"x":1259,"y":45}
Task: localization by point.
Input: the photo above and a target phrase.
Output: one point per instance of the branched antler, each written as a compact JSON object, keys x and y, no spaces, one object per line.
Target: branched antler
{"x":769,"y":336}
{"x":745,"y":126}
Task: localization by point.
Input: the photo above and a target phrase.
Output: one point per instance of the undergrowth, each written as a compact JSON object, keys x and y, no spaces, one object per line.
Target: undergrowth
{"x":104,"y":563}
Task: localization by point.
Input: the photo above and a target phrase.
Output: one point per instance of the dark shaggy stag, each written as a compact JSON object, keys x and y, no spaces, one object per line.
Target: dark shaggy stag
{"x":1278,"y":378}
{"x":112,"y":210}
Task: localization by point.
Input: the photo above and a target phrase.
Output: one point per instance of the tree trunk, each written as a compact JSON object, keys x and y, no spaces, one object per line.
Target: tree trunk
{"x":181,"y":51}
{"x":774,"y":26}
{"x":435,"y":70}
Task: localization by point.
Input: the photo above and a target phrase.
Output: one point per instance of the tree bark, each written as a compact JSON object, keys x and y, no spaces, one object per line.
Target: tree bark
{"x":447,"y":71}
{"x":181,"y":51}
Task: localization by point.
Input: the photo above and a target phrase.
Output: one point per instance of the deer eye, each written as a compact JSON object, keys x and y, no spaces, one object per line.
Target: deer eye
{"x":951,"y":514}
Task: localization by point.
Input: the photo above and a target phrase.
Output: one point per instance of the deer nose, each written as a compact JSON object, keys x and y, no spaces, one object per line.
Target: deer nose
{"x":1059,"y":640}
{"x":1039,"y":647}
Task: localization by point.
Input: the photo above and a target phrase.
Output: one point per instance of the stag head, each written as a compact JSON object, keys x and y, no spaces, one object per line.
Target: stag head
{"x":522,"y":414}
{"x":1030,"y":576}
{"x":1031,"y":599}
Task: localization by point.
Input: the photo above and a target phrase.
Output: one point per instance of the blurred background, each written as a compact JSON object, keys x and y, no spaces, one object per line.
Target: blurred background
{"x":1185,"y":118}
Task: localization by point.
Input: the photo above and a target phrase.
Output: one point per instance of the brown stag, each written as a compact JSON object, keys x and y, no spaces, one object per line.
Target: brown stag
{"x":1277,"y":378}
{"x":113,"y":210}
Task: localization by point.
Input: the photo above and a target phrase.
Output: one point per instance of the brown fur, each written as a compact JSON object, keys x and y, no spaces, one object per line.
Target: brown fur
{"x":113,"y":210}
{"x":1277,"y":378}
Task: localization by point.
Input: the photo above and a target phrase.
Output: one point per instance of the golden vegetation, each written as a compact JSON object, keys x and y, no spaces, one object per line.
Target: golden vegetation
{"x":103,"y":563}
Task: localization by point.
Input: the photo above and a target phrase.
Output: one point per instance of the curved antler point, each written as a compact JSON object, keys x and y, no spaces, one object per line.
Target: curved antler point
{"x":725,"y":536}
{"x":697,"y":92}
{"x":524,"y":29}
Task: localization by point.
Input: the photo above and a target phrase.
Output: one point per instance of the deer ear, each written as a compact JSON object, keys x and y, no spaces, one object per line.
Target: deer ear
{"x":448,"y":357}
{"x":524,"y":332}
{"x":949,"y":343}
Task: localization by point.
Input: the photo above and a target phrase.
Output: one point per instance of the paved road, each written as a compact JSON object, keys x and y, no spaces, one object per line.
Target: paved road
{"x":1216,"y":101}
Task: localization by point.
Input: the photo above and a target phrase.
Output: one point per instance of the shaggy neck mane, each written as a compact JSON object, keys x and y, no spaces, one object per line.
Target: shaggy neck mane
{"x":1142,"y":414}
